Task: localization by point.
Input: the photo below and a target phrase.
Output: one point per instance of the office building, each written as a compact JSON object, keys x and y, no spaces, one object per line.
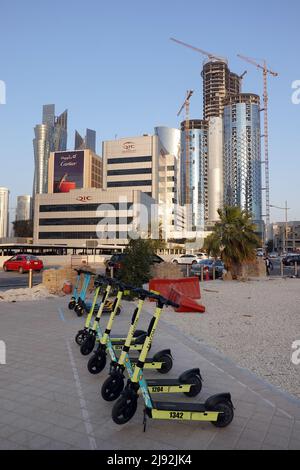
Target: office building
{"x":242,"y":154}
{"x":285,"y":236}
{"x":132,"y":163}
{"x":87,"y":142}
{"x":219,"y":83}
{"x":108,"y":217}
{"x":77,"y":169}
{"x":194,"y":172}
{"x":4,"y":212}
{"x":50,"y":136}
{"x":24,"y":208}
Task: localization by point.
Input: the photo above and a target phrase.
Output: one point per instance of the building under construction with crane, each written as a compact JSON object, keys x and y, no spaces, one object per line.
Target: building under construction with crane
{"x":224,"y":165}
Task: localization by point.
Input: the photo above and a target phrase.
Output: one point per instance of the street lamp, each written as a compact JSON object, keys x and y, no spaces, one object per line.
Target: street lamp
{"x":286,"y":209}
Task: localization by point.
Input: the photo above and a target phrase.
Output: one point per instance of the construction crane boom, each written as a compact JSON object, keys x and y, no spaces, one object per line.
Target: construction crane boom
{"x":201,"y":51}
{"x":252,"y":61}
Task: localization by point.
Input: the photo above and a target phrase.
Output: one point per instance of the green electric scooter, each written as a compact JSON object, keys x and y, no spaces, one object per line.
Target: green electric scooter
{"x":86,"y":338}
{"x":162,"y":361}
{"x":217,"y":409}
{"x":189,"y":383}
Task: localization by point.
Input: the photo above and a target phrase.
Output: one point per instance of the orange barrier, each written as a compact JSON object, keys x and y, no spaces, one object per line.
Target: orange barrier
{"x":181,"y":291}
{"x":189,"y":286}
{"x":186,"y":304}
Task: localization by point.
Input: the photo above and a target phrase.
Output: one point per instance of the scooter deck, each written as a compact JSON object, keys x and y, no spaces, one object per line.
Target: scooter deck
{"x":164,"y":383}
{"x":177,"y":406}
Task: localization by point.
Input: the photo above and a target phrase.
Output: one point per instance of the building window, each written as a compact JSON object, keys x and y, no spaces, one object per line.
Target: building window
{"x":86,"y":221}
{"x":130,"y":171}
{"x":118,"y":184}
{"x":83,"y":207}
{"x":112,"y":161}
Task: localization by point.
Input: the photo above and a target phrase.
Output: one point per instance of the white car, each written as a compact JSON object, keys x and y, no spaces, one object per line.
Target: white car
{"x":186,"y":259}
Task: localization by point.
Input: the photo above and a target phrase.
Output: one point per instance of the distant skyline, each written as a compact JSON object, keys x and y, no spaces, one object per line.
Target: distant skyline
{"x":116,"y":71}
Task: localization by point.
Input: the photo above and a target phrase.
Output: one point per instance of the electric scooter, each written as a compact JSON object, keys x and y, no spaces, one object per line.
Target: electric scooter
{"x":75,"y":295}
{"x":189,"y":383}
{"x":79,"y":297}
{"x":162,"y":361}
{"x":87,"y":337}
{"x":217,"y":409}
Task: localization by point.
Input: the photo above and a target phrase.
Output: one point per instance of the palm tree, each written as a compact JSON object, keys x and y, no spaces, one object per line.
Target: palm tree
{"x":233,"y":238}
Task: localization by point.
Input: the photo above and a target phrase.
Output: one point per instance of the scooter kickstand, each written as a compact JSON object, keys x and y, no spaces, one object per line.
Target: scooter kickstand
{"x":145,"y":419}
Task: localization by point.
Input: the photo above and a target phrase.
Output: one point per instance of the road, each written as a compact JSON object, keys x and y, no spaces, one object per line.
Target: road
{"x":14,"y":280}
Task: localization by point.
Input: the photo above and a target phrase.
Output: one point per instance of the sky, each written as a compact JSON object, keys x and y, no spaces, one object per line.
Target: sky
{"x":113,"y":66}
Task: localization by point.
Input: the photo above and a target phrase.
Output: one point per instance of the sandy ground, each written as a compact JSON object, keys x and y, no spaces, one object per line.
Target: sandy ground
{"x":254,"y":323}
{"x":20,"y":295}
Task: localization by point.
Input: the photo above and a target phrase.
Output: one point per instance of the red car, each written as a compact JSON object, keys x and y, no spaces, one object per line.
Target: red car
{"x":23,"y":263}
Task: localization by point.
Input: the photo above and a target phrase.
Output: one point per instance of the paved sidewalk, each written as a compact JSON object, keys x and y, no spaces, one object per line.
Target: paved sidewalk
{"x":48,"y":399}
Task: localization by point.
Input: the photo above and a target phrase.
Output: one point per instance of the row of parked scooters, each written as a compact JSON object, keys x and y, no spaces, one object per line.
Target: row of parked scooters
{"x":217,"y":409}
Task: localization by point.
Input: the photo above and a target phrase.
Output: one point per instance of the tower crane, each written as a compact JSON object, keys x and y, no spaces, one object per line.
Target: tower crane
{"x":266,"y":71}
{"x":186,"y":105}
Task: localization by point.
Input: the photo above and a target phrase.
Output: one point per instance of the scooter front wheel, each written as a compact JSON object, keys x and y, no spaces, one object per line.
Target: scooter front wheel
{"x":97,"y":363}
{"x":88,"y":345}
{"x":226,"y":414}
{"x":78,"y":310}
{"x":80,"y":337}
{"x":112,"y":387}
{"x":124,"y":409}
{"x":196,"y":387}
{"x":72,"y":304}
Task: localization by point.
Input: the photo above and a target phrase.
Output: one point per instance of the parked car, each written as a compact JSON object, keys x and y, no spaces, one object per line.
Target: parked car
{"x":117,"y":259}
{"x":209,"y":264}
{"x":186,"y":259}
{"x":291,"y":260}
{"x":23,"y":263}
{"x":273,"y":255}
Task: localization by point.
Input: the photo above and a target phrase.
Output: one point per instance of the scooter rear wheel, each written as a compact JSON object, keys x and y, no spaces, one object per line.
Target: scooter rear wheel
{"x":78,"y":310}
{"x":72,"y":304}
{"x":196,"y":387}
{"x":96,"y":363}
{"x":226,"y":414}
{"x":124,"y":409}
{"x":167,"y":363}
{"x":112,"y":388}
{"x":80,"y":337}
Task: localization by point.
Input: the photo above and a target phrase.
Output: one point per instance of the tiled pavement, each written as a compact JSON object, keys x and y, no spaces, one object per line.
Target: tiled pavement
{"x":48,"y":399}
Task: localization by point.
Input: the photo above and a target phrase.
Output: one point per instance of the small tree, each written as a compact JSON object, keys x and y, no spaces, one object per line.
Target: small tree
{"x":233,"y":238}
{"x":136,"y":268}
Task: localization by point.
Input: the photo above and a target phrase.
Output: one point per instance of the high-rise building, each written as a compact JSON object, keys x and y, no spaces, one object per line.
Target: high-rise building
{"x":24,"y":207}
{"x":193,"y":187}
{"x":88,"y":142}
{"x":4,"y":212}
{"x":50,"y":136}
{"x":215,"y":168}
{"x":242,"y":154}
{"x":218,"y":84}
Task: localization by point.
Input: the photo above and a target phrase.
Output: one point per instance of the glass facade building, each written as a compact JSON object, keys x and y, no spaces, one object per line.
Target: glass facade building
{"x":50,"y":136}
{"x":88,"y":142}
{"x":24,"y":208}
{"x":242,"y":154}
{"x":194,"y":189}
